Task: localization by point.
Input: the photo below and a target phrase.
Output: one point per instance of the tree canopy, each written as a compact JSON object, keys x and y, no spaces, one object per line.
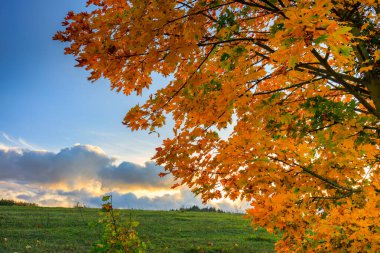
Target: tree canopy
{"x":276,"y":102}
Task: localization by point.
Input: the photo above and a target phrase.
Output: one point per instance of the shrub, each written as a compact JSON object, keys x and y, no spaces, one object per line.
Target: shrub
{"x":118,"y":236}
{"x":195,"y":208}
{"x":9,"y":202}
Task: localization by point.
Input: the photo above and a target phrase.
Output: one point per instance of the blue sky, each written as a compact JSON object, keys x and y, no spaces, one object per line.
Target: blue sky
{"x":49,"y":103}
{"x":61,"y":137}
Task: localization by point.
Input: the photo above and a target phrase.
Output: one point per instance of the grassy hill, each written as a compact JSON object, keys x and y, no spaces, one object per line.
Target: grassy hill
{"x":38,"y":229}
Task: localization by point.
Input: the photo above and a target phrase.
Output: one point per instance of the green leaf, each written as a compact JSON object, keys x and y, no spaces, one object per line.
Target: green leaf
{"x":106,"y":198}
{"x":293,"y":61}
{"x":321,"y":39}
{"x":276,"y":27}
{"x":224,"y":57}
{"x":343,"y":30}
{"x":286,"y":118}
{"x":345,"y":50}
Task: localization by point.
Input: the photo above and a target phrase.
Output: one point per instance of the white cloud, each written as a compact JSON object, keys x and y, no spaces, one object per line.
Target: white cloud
{"x":83,"y":173}
{"x":77,"y":167}
{"x":57,"y":197}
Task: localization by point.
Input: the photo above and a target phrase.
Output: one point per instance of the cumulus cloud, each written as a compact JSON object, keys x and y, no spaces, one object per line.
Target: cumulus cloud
{"x":83,"y":173}
{"x":128,"y":173}
{"x":77,"y":166}
{"x":57,"y":197}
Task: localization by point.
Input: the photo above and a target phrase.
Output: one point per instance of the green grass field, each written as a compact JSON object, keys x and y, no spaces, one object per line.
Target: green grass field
{"x":37,"y":229}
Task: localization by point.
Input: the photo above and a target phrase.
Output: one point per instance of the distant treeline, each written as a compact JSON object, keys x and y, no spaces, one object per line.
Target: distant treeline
{"x":9,"y":202}
{"x":197,"y":209}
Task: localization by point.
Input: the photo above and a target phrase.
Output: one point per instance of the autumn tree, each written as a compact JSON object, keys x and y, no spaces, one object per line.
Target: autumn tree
{"x":276,"y":102}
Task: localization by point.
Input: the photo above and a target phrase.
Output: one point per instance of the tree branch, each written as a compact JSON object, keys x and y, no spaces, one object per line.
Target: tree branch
{"x":255,"y":41}
{"x":341,"y":81}
{"x":314,"y":174}
{"x":272,"y":9}
{"x":187,"y":80}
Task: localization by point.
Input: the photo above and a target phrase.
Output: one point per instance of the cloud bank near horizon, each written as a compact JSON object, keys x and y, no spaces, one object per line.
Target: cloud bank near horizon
{"x":83,"y":173}
{"x":75,"y":167}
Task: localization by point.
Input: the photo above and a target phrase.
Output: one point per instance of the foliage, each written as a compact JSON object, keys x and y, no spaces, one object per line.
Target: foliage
{"x":9,"y":202}
{"x":195,"y":208}
{"x":166,"y":231}
{"x":297,"y":82}
{"x":117,"y":236}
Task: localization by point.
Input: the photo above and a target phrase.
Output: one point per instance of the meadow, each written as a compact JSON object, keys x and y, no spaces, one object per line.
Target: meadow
{"x":43,"y":229}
